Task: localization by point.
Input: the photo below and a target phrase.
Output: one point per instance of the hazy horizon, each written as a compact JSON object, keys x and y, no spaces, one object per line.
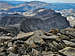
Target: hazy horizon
{"x":48,"y":1}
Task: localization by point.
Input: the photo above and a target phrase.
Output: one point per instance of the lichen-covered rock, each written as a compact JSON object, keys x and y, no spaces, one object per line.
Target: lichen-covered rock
{"x":24,"y":35}
{"x":12,"y":54}
{"x":68,"y":43}
{"x":35,"y":39}
{"x":68,"y":51}
{"x":70,"y":32}
{"x":64,"y":37}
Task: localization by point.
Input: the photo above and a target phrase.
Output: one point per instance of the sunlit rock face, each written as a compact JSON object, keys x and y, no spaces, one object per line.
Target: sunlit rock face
{"x":44,"y":19}
{"x":71,"y":19}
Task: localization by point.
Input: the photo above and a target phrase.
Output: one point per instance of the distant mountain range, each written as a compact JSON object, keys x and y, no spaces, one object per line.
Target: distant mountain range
{"x":21,"y":6}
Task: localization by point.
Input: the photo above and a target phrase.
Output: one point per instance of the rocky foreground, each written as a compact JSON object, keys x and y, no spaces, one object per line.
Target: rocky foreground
{"x":38,"y":43}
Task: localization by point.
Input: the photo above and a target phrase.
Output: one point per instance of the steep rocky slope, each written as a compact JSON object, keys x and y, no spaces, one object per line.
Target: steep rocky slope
{"x":10,"y":19}
{"x":44,"y":19}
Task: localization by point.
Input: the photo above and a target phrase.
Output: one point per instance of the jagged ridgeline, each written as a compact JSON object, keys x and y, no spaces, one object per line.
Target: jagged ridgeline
{"x":41,"y":19}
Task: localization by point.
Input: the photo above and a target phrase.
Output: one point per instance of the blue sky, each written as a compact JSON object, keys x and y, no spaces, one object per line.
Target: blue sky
{"x":49,"y":1}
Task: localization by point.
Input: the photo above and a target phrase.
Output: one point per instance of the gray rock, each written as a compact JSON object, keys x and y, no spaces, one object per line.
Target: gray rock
{"x":24,"y":35}
{"x":12,"y":54}
{"x":68,"y":43}
{"x":53,"y":37}
{"x":70,"y":32}
{"x":36,"y":38}
{"x":72,"y":40}
{"x":10,"y":44}
{"x":68,"y":51}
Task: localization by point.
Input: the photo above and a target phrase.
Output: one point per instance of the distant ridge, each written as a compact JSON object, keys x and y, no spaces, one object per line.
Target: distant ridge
{"x":22,"y":6}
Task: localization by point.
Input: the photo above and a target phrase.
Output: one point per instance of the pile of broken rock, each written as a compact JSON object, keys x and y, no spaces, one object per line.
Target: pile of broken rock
{"x":38,"y":43}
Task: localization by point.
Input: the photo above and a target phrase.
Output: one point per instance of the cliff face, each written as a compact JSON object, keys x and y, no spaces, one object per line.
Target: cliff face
{"x":44,"y":19}
{"x":10,"y":19}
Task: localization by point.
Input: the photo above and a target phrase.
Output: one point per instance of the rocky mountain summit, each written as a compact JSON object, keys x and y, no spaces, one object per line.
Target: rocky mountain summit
{"x":38,"y":43}
{"x":43,"y":33}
